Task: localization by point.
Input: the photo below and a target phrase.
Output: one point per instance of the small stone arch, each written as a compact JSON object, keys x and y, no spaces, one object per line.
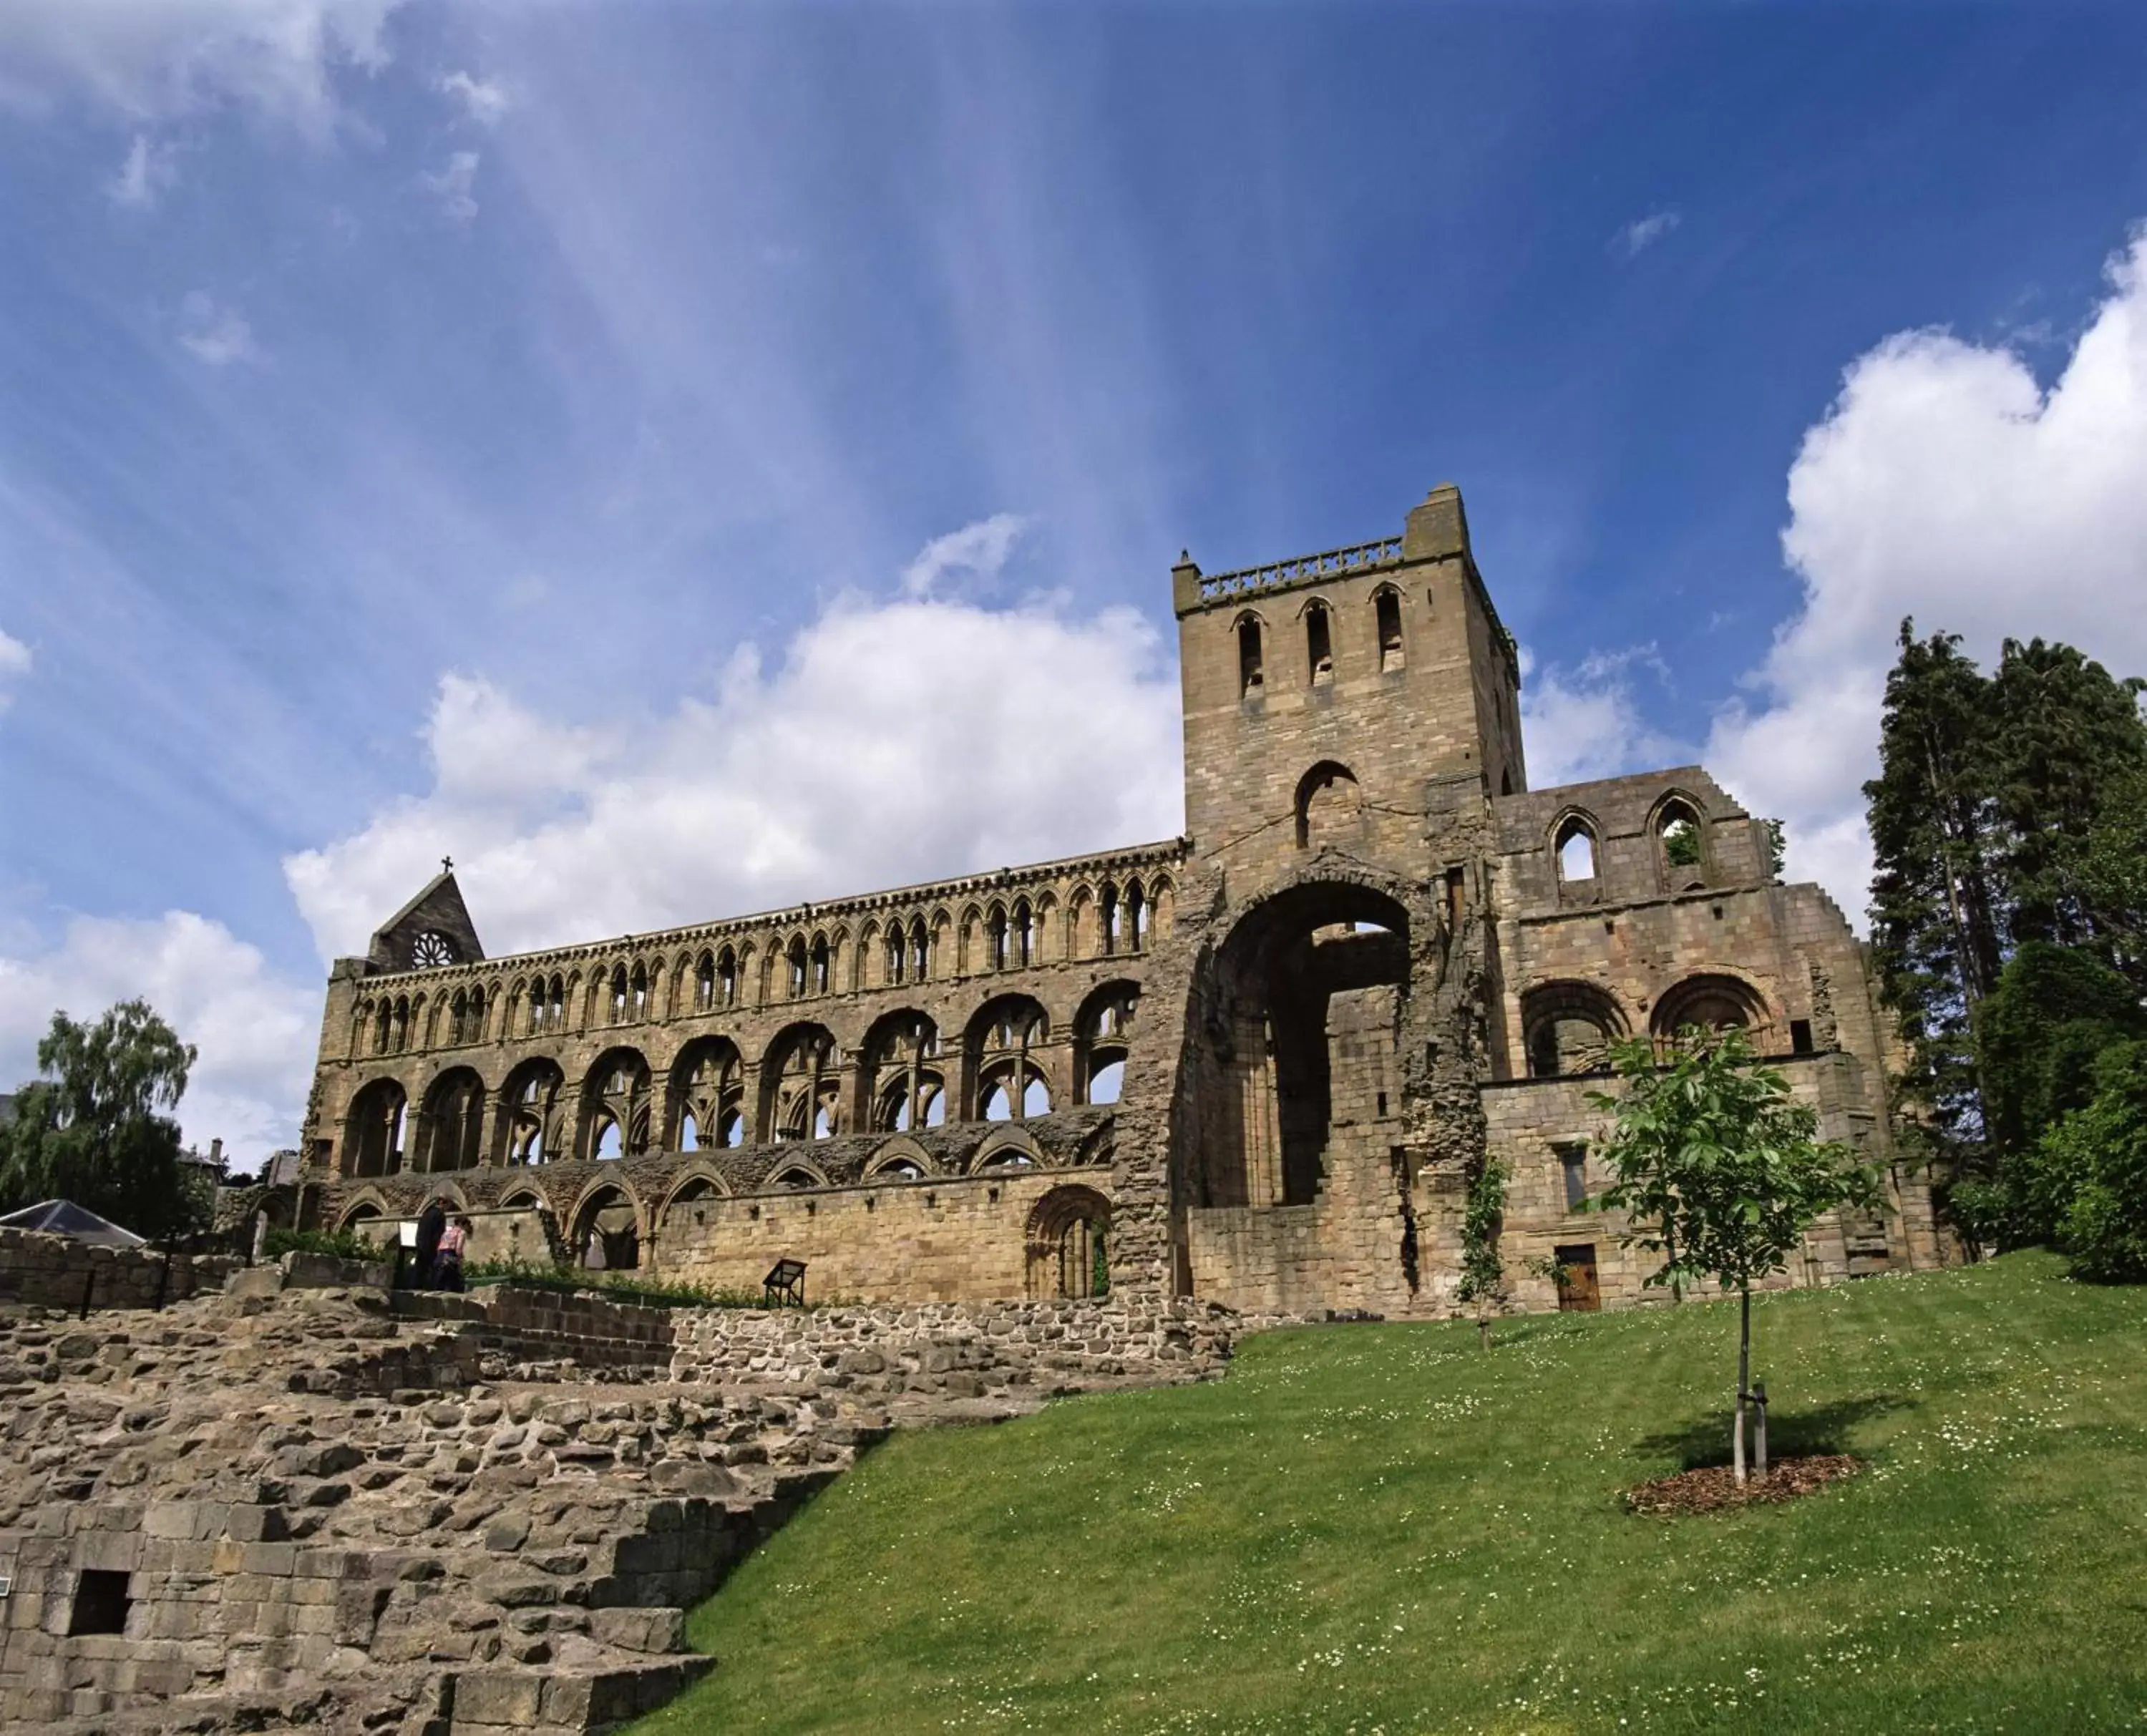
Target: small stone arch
{"x":608,"y":1227}
{"x":1712,"y":1001}
{"x":796,"y":1175}
{"x":1330,"y":807}
{"x":1250,"y":633}
{"x":1008,"y":1146}
{"x":1567,"y":1028}
{"x":1067,"y":1244}
{"x":1387,"y":628}
{"x":899,"y":1159}
{"x":1318,"y":616}
{"x":364,"y":1215}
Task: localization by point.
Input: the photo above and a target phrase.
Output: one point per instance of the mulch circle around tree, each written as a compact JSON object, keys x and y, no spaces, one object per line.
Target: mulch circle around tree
{"x":1712,"y":1487}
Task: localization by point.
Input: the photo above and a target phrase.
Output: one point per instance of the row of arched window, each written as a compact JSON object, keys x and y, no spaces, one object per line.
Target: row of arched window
{"x":1317,"y":619}
{"x":1114,"y":918}
{"x":1680,"y":847}
{"x":1009,"y":1065}
{"x":1568,"y":1028}
{"x":608,"y":1226}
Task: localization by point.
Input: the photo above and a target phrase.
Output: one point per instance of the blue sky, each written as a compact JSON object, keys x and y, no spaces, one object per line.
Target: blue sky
{"x":684,"y":457}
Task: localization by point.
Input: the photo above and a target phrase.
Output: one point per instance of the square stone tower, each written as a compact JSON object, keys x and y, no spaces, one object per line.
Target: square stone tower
{"x":1323,"y":694}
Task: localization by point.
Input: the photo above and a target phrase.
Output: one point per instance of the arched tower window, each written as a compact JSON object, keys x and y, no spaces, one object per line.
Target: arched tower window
{"x":1329,"y":806}
{"x":1249,"y":678}
{"x":1320,"y":644}
{"x":1387,"y":608}
{"x":1680,"y":846}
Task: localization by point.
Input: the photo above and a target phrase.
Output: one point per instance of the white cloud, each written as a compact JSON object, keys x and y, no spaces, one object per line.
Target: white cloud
{"x":1587,"y":724}
{"x":1943,"y":484}
{"x":154,"y":59}
{"x":150,"y":170}
{"x":453,"y":186}
{"x":14,"y":667}
{"x":484,"y":100}
{"x":1643,"y":232}
{"x":978,"y":551}
{"x":256,"y":1033}
{"x":215,"y":334}
{"x":897,"y":741}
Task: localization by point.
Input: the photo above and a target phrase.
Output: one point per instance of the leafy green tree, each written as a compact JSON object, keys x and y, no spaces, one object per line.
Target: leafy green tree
{"x":93,"y":1132}
{"x":1720,"y":1171}
{"x":2097,"y":1157}
{"x":2112,"y":871}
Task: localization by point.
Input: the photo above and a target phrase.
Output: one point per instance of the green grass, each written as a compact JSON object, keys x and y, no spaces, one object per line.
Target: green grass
{"x":1380,"y":1528}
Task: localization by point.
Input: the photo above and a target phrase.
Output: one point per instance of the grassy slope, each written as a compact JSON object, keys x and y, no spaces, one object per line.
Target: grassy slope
{"x":1380,"y":1528}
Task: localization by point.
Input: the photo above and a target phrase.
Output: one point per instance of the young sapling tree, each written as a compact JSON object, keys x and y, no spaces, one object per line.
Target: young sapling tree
{"x":1720,"y":1171}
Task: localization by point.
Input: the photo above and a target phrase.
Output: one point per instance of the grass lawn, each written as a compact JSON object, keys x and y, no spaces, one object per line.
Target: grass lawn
{"x":1380,"y":1528}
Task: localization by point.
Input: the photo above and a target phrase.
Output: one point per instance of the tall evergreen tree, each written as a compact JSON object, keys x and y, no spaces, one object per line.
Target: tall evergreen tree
{"x":1935,"y":905}
{"x":2062,"y":731}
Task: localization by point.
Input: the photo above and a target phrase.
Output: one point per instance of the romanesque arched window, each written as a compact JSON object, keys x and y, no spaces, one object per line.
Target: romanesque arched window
{"x":1102,"y":1031}
{"x":1712,"y":1001}
{"x":534,"y":1113}
{"x":1005,"y":1038}
{"x":1386,"y":620}
{"x":1330,"y":807}
{"x":1318,"y":644}
{"x":615,"y":1105}
{"x":903,"y":1081}
{"x":709,"y":1090}
{"x":1067,"y":1244}
{"x":1568,"y":1028}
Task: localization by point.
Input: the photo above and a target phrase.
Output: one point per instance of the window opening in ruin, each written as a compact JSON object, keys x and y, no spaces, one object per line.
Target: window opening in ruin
{"x":1136,"y":916}
{"x":1008,"y":1080}
{"x":795,"y":1180}
{"x":1710,"y":1003}
{"x":689,"y":1133}
{"x":1681,"y":846}
{"x":1572,"y":1171}
{"x":640,"y":993}
{"x":820,"y":966}
{"x":373,"y":1144}
{"x":609,"y":1236}
{"x":1576,"y":851}
{"x":1249,"y":678}
{"x":920,"y":950}
{"x":704,"y":982}
{"x":101,"y":1603}
{"x":1024,"y":934}
{"x":1320,"y":644}
{"x":1567,"y":1029}
{"x":730,"y":1132}
{"x":618,"y":994}
{"x":797,"y":960}
{"x":727,"y":978}
{"x":1108,"y":918}
{"x":1106,"y":1082}
{"x":1388,"y":609}
{"x":1800,"y":1037}
{"x":608,"y":1141}
{"x":995,"y":940}
{"x":533,"y":1096}
{"x":900,"y":1169}
{"x":1329,"y":806}
{"x":896,"y":951}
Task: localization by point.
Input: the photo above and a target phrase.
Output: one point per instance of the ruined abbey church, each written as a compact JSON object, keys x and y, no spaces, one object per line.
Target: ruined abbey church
{"x":1258,"y":1065}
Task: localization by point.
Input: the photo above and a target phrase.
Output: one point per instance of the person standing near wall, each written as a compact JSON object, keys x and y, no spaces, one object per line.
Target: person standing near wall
{"x":447,"y":1264}
{"x":431,"y":1225}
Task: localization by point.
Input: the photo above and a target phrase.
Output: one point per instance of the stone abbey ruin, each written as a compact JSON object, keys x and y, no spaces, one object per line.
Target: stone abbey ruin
{"x":1255,"y":1065}
{"x":1035,"y":1130}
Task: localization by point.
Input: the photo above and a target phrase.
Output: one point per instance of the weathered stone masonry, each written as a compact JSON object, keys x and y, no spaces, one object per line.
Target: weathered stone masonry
{"x":1258,"y":1064}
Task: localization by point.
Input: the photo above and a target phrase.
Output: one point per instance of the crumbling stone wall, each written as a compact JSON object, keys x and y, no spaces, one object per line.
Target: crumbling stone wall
{"x":339,"y":1510}
{"x":59,"y":1271}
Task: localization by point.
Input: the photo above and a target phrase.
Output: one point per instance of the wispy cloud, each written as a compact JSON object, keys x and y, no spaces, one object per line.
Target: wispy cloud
{"x":150,"y":170}
{"x":14,"y":666}
{"x":214,"y":334}
{"x":454,"y":185}
{"x":1643,"y":232}
{"x":485,"y":101}
{"x":1586,"y":722}
{"x":977,"y":551}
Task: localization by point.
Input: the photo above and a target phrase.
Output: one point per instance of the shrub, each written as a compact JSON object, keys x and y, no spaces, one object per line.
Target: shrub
{"x":2098,"y":1157}
{"x":615,"y":1286}
{"x":341,"y":1244}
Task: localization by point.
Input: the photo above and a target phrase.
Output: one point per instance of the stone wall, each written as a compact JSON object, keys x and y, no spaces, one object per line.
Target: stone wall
{"x":342,"y":1511}
{"x":59,"y":1271}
